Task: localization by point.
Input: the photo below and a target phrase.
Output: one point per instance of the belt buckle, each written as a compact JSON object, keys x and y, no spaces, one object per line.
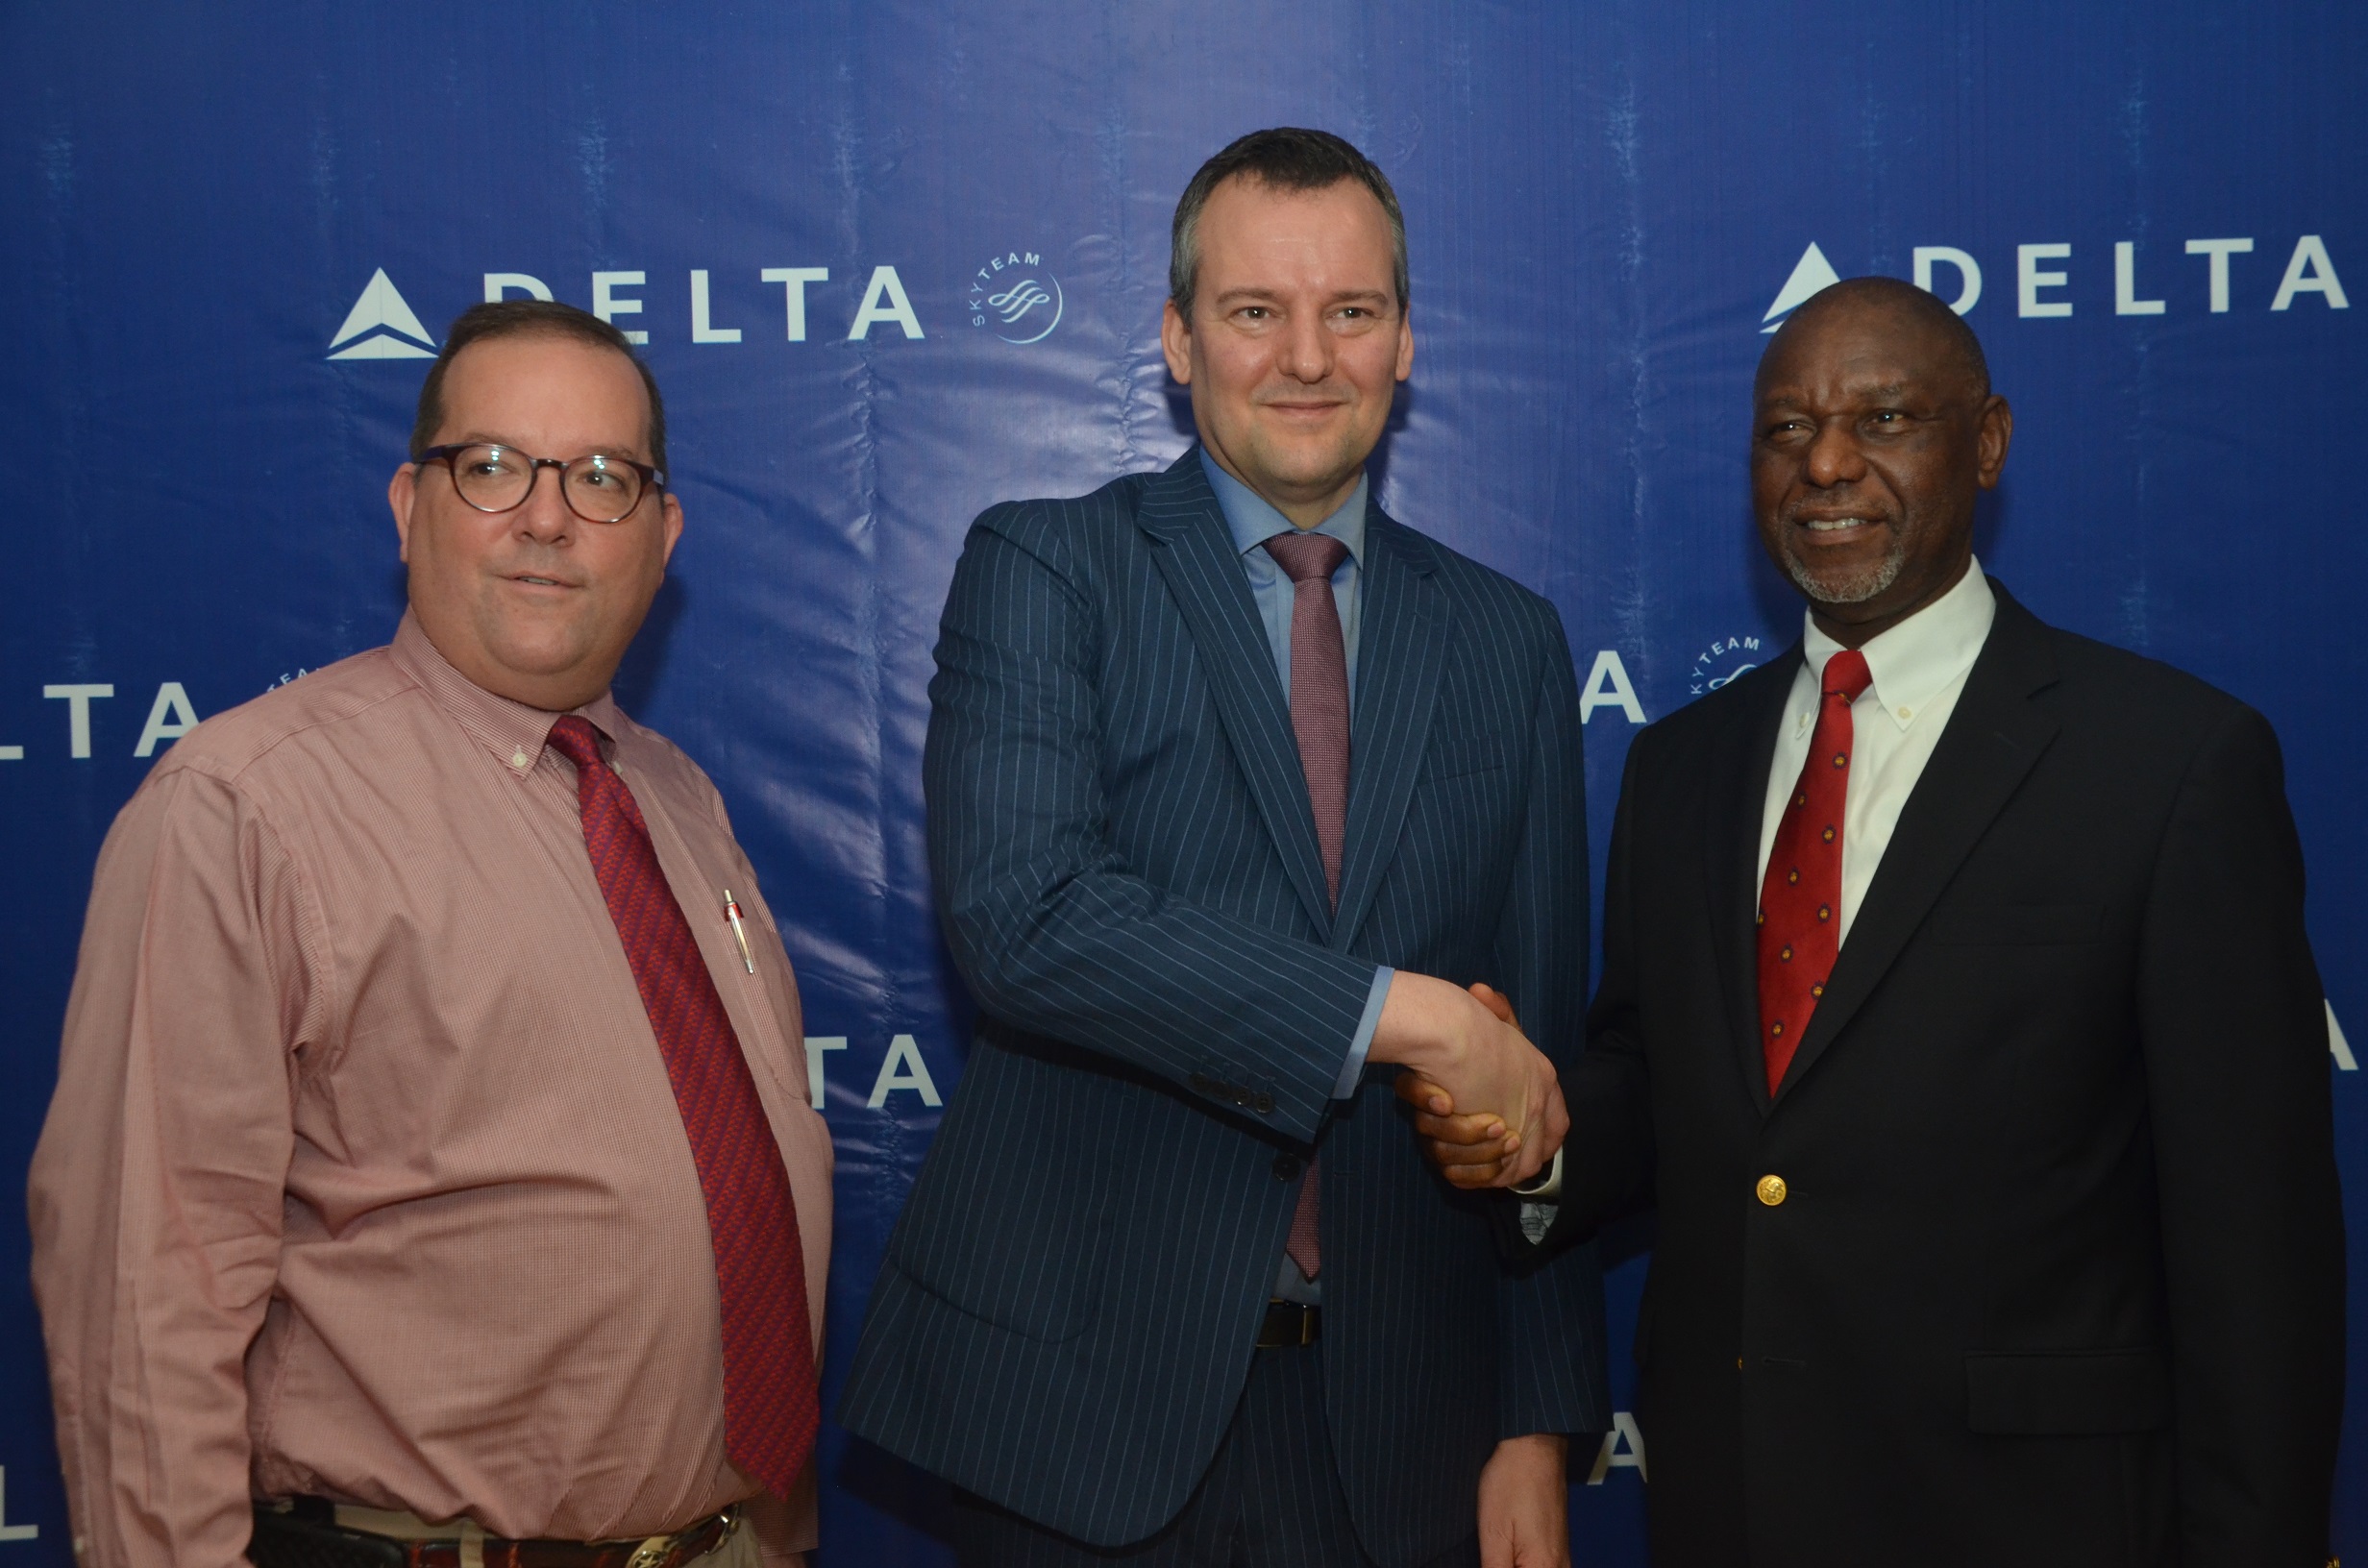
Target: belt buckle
{"x":1304,"y":1318}
{"x":659,"y":1550}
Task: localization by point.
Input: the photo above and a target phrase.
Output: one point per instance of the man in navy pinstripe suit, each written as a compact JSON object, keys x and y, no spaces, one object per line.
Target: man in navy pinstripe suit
{"x":1235,"y":783}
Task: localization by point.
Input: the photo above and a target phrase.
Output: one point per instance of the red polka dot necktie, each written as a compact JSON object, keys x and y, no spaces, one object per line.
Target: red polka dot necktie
{"x":771,"y":1404}
{"x":1320,"y":722}
{"x":1800,"y":897}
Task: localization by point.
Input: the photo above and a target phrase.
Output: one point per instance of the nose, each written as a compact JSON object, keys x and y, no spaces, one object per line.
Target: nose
{"x":1305,"y":353}
{"x":544,"y":514}
{"x":1834,"y":456}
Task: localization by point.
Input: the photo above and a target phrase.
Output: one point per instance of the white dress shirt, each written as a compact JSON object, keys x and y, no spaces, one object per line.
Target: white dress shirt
{"x":1919,"y":669}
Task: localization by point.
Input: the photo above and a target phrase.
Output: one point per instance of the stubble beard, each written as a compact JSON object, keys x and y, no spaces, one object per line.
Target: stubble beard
{"x":1852,"y":588}
{"x":1310,"y":463}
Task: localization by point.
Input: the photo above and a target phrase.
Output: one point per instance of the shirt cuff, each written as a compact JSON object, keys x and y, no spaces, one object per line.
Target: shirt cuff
{"x":1361,"y":1045}
{"x":1548,"y":1189}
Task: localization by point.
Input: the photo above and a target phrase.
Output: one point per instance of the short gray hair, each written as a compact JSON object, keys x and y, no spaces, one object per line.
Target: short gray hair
{"x":1285,"y":158}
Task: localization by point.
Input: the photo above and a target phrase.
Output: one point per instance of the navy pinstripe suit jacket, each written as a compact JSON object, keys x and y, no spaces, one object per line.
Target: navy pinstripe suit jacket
{"x":1126,"y":865}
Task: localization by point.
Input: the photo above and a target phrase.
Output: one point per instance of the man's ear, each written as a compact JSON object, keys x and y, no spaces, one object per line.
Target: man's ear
{"x":1996,"y":435}
{"x":671,"y":519}
{"x":1175,"y":343}
{"x":402,"y":493}
{"x":1405,"y":345}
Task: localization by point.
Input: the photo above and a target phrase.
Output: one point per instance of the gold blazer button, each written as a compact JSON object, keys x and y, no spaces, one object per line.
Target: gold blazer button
{"x":1773,"y":1191}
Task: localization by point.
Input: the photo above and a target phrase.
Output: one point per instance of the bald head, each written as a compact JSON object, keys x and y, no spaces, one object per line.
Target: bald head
{"x":1903,"y":311}
{"x":1875,"y":429}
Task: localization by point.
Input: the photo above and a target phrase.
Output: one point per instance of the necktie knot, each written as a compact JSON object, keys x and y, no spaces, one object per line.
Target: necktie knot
{"x":1847,"y":674}
{"x":1306,"y":557}
{"x":575,"y":739}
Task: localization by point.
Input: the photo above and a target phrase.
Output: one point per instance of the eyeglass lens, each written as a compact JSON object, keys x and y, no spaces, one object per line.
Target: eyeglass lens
{"x":598,"y":489}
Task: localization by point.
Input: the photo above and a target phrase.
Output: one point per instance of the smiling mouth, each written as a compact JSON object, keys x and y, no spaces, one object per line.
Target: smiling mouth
{"x":1835,"y":524}
{"x":537,"y":583}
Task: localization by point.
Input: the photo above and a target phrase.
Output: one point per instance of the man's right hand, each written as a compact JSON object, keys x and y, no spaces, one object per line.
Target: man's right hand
{"x":1451,"y":1039}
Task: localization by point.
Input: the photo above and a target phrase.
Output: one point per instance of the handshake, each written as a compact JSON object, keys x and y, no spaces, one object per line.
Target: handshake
{"x":1487,"y":1102}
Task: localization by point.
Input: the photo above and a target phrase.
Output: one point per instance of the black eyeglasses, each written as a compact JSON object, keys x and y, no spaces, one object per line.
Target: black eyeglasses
{"x":598,"y":487}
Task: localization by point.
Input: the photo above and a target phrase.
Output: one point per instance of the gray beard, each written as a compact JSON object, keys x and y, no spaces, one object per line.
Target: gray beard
{"x":1856,"y":589}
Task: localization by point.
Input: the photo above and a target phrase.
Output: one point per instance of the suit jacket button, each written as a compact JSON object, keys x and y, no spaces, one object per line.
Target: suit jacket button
{"x":1264,"y":1105}
{"x":1287,"y":1168}
{"x":1773,"y":1191}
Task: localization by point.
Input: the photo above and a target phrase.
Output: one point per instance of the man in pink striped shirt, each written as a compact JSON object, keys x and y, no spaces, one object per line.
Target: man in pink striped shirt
{"x":422,"y":1188}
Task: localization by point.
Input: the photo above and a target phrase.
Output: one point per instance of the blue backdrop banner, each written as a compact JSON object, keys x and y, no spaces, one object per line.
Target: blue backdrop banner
{"x":897,"y":260}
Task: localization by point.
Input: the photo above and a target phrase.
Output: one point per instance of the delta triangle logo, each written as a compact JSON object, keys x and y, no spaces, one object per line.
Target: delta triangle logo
{"x":2337,"y":1046}
{"x":371,"y":328}
{"x":1811,"y":274}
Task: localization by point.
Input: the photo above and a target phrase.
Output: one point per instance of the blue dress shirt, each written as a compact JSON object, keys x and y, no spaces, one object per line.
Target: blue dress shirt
{"x":1252,"y":522}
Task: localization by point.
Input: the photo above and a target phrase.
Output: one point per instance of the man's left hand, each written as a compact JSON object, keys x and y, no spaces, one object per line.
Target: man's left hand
{"x":1525,"y":1504}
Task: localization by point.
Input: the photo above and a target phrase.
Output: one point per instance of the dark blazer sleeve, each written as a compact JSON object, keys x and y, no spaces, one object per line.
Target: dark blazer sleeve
{"x":1052,"y":931}
{"x":2233,"y":1027}
{"x":1607,"y":1168}
{"x":1550,"y":1316}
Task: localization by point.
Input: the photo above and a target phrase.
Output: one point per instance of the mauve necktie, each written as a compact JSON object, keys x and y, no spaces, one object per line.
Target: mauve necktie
{"x":1800,"y":896}
{"x":1319,"y":719}
{"x":771,"y":1404}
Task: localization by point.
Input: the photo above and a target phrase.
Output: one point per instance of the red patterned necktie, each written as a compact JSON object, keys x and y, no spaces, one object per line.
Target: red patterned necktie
{"x":771,"y":1404}
{"x":1800,"y":897}
{"x":1320,"y":720}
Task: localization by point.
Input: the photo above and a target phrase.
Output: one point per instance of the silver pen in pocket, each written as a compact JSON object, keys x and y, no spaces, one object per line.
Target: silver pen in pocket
{"x":739,"y":932}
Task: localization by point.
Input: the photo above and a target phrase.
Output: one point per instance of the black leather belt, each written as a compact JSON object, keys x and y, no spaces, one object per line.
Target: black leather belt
{"x":1289,"y":1323}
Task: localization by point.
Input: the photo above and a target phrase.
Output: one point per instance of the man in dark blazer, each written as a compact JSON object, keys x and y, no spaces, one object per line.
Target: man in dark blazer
{"x":2004,"y":1227}
{"x":1235,"y":783}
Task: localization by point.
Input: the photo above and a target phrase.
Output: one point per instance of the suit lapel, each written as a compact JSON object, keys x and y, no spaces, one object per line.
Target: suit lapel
{"x":1401,"y":647}
{"x":1993,"y":739}
{"x":1198,"y":562}
{"x":1735,"y":804}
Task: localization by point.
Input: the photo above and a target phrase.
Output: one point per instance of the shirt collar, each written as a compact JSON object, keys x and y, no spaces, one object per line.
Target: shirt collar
{"x":512,"y":731}
{"x":1253,"y":520}
{"x":1916,"y":660}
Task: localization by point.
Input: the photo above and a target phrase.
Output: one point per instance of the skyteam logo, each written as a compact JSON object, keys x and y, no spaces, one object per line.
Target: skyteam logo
{"x":1016,"y":298}
{"x":2054,"y":278}
{"x":380,"y":326}
{"x":1720,"y":663}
